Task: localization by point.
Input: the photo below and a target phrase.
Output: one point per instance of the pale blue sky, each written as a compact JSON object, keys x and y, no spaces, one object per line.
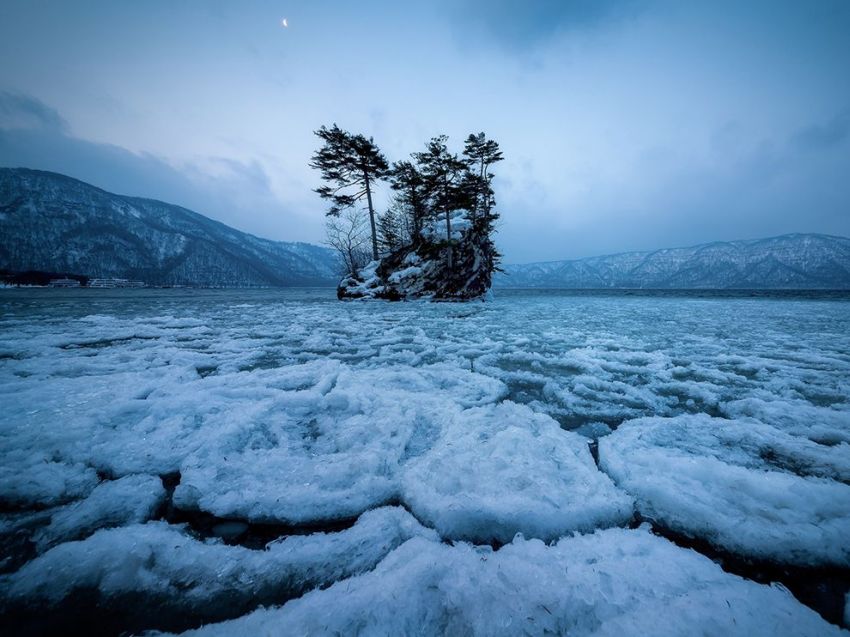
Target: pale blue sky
{"x":627,"y":125}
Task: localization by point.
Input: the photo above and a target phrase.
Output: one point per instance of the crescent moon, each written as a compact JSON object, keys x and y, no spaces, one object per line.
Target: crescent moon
{"x":285,"y":22}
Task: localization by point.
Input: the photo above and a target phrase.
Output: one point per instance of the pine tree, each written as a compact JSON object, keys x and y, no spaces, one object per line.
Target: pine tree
{"x":392,"y":234}
{"x":443,"y":173}
{"x":411,"y":195}
{"x":480,"y":154}
{"x":351,"y":164}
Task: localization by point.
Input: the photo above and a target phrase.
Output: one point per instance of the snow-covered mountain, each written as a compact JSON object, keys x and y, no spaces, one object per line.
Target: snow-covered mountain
{"x":55,"y":223}
{"x":792,"y":261}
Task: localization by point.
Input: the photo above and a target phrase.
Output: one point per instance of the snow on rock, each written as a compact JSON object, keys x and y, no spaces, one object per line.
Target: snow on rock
{"x":745,"y":487}
{"x":166,"y":564}
{"x":421,"y":270}
{"x":612,"y":582}
{"x":502,"y":469}
{"x":131,"y":499}
{"x":366,"y":284}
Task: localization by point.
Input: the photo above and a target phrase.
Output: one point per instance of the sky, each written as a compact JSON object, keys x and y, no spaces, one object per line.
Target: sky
{"x":626,"y":125}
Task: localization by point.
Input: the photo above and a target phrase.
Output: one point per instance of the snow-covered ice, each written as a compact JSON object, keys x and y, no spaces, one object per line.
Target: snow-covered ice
{"x":327,"y":445}
{"x":743,"y":486}
{"x":500,"y":470}
{"x":131,"y":499}
{"x":480,"y":419}
{"x":32,"y":477}
{"x":167,"y":564}
{"x":614,"y":582}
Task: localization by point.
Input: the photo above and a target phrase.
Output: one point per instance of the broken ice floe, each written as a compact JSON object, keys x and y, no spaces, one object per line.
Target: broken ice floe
{"x":174,"y":570}
{"x":128,"y":500}
{"x":500,"y":470}
{"x":612,"y":582}
{"x":745,"y":487}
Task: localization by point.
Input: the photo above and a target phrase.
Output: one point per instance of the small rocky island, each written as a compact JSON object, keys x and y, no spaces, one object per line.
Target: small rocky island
{"x":435,"y":238}
{"x":422,"y":269}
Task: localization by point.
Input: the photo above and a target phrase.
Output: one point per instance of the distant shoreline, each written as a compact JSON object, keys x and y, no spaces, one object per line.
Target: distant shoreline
{"x":779,"y":293}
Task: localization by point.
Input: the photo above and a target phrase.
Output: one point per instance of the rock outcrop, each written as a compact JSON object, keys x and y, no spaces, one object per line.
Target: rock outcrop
{"x":421,"y":269}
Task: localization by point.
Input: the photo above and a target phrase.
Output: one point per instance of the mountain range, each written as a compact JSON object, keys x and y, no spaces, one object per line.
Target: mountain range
{"x":54,"y":223}
{"x":50,"y":222}
{"x":791,"y":261}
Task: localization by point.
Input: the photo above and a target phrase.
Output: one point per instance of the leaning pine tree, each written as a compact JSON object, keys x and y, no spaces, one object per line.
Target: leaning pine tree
{"x":350,"y":165}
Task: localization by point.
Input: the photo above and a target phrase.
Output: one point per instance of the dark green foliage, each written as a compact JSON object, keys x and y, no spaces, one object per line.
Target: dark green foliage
{"x":481,"y":153}
{"x":411,"y":196}
{"x":444,"y":175}
{"x":392,"y":231}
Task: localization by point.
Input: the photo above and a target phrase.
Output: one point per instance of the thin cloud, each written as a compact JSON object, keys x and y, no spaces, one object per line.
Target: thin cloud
{"x":25,"y":112}
{"x":520,"y":25}
{"x":34,"y":135}
{"x":823,"y":136}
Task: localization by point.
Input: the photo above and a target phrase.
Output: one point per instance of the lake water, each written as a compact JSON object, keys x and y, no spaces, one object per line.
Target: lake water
{"x":722,"y":419}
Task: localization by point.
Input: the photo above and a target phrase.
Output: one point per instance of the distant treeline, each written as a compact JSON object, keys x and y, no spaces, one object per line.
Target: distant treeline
{"x":38,"y":277}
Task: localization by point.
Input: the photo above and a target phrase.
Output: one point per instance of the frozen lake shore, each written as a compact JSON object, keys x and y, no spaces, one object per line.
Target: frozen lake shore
{"x":545,"y":462}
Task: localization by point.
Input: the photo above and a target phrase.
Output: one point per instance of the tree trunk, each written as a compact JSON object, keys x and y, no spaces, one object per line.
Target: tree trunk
{"x":449,"y":259}
{"x":449,"y":236}
{"x":482,"y":195}
{"x":417,"y":217}
{"x":352,"y":266}
{"x":371,"y":217}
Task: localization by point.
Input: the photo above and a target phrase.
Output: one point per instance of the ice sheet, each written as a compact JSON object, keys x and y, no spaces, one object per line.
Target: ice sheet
{"x":288,"y":406}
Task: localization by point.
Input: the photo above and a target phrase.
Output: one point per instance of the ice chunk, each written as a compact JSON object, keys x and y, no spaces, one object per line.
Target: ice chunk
{"x":745,"y":487}
{"x":172,"y":568}
{"x":130,"y":499}
{"x":327,"y":453}
{"x":501,"y":470}
{"x":827,"y":425}
{"x":30,"y":477}
{"x":613,"y":582}
{"x":277,"y":486}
